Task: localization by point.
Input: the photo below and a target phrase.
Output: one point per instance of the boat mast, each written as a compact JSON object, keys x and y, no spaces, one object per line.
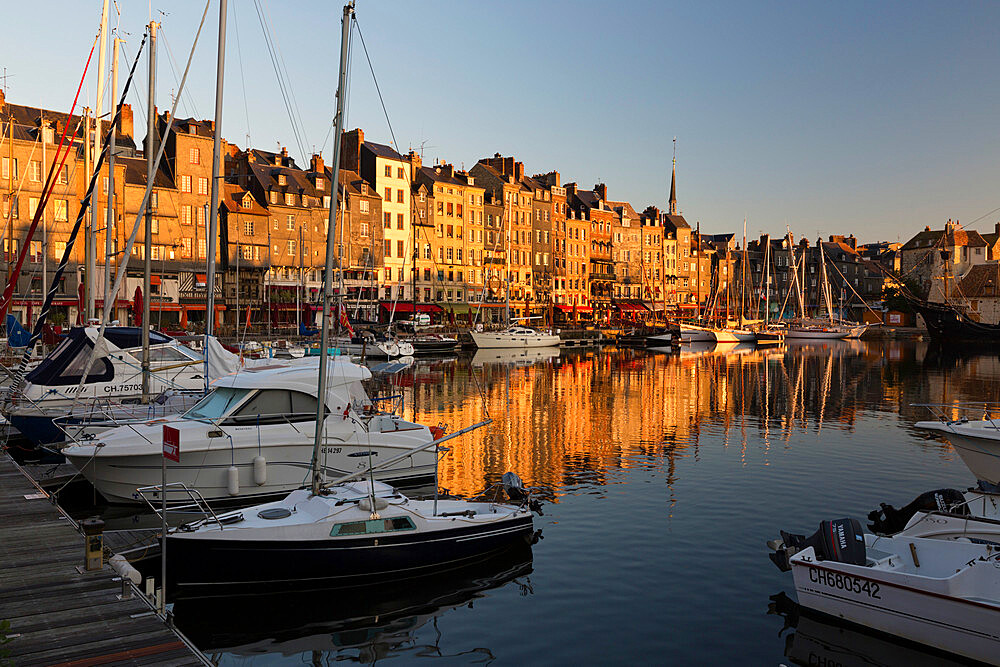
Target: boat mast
{"x":767,"y":280}
{"x":743,"y":275}
{"x":217,"y":168}
{"x":827,"y":295}
{"x":507,"y":254}
{"x":331,"y":230}
{"x":109,"y":221}
{"x":90,"y":244}
{"x":148,"y":233}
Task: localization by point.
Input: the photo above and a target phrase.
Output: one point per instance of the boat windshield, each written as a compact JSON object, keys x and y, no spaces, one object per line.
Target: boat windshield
{"x":217,"y":403}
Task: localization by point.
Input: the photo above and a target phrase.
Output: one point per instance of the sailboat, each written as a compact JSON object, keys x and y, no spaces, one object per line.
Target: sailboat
{"x":347,"y":531}
{"x":813,"y":329}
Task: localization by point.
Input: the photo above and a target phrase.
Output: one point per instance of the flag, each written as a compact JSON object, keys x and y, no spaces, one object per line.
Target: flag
{"x":344,"y":323}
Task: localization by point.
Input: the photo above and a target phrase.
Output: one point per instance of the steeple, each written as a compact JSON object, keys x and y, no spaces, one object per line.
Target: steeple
{"x":673,"y":183}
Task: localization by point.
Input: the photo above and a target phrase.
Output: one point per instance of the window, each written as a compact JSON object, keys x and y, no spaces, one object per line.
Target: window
{"x":155,"y":225}
{"x":63,"y":178}
{"x":289,"y":199}
{"x":194,"y":156}
{"x":248,"y":228}
{"x":388,"y":171}
{"x":273,"y":197}
{"x":290,"y":222}
{"x":247,"y":251}
{"x":155,"y":252}
{"x":186,"y":214}
{"x":373,"y":526}
{"x":186,"y":248}
{"x":363,"y":205}
{"x":388,"y":249}
{"x":388,"y":220}
{"x":399,"y":221}
{"x":423,"y":196}
{"x":185,"y":184}
{"x":7,"y":206}
{"x":274,"y":406}
{"x":291,"y":246}
{"x":203,"y":185}
{"x":32,"y":206}
{"x":61,"y":210}
{"x":60,"y":249}
{"x":399,"y":249}
{"x":201,"y":248}
{"x":282,"y":179}
{"x":364,"y":229}
{"x":5,"y":170}
{"x":400,"y":173}
{"x":399,"y":196}
{"x":388,"y":192}
{"x":35,"y":171}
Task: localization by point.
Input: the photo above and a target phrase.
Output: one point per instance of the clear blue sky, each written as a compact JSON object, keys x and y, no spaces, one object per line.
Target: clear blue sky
{"x":864,"y":117}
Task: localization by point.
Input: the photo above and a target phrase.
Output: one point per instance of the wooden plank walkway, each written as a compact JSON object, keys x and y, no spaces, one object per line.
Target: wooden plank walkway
{"x":59,"y":616}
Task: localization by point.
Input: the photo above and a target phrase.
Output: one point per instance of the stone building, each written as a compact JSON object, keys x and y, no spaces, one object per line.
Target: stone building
{"x":933,"y":258}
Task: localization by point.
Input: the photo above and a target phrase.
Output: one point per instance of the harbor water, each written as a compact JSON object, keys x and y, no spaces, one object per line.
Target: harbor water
{"x":663,"y":476}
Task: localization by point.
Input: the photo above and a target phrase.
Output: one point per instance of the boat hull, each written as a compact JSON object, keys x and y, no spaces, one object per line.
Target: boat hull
{"x":690,"y":334}
{"x":287,"y":468}
{"x":815,"y":334}
{"x":503,"y":339}
{"x":215,"y":565}
{"x":883,"y":601}
{"x":976,"y":443}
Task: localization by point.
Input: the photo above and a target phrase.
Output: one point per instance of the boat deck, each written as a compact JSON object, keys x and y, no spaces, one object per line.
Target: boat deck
{"x":57,"y":613}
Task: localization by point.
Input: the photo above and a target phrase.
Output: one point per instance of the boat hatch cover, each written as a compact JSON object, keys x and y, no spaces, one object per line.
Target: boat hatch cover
{"x":275,"y":513}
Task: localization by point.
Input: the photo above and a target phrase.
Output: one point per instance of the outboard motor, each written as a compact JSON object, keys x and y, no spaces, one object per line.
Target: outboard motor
{"x":888,"y":520}
{"x":840,"y":540}
{"x":514,"y":487}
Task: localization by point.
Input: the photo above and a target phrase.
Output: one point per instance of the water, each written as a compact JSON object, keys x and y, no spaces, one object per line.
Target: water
{"x":664,"y":477}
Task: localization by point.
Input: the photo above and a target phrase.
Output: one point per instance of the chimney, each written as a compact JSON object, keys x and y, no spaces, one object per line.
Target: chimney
{"x":125,"y":127}
{"x":415,"y":163}
{"x":518,"y":171}
{"x":2,"y":100}
{"x":602,"y":191}
{"x":316,"y":164}
{"x":570,"y":190}
{"x":350,"y":150}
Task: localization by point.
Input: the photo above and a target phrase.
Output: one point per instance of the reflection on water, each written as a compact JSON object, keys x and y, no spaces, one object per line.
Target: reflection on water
{"x":364,"y":624}
{"x":667,"y":474}
{"x":815,"y":639}
{"x":562,"y":419}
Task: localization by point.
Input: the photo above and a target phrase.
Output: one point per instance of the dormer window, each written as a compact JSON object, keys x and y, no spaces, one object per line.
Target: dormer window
{"x":192,"y":129}
{"x":246,"y":202}
{"x":282,"y":179}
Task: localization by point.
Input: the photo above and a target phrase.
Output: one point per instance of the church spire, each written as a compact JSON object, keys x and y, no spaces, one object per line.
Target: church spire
{"x":673,"y":183}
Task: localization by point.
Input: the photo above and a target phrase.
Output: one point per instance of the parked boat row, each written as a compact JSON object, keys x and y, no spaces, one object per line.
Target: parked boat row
{"x":928,"y":572}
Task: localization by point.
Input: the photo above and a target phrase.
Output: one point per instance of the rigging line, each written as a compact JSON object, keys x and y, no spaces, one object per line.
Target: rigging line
{"x":243,"y":83}
{"x":277,"y":74}
{"x":173,"y":70}
{"x":377,"y":89}
{"x":288,"y":79}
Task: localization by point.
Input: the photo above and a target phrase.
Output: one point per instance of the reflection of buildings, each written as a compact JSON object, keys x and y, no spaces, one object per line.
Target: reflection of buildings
{"x":576,"y":418}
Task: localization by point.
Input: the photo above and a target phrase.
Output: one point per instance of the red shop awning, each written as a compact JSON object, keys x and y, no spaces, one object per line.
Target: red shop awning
{"x":407,"y":307}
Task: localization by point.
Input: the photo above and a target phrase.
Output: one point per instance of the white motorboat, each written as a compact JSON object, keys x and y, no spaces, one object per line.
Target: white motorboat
{"x":816,"y":332}
{"x":944,"y":514}
{"x":976,"y":442}
{"x":56,"y":386}
{"x":514,"y":336}
{"x":252,"y":435}
{"x":941,"y":593}
{"x":692,"y":333}
{"x":359,"y":533}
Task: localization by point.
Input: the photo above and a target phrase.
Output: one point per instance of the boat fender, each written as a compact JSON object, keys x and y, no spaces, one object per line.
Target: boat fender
{"x":233,"y":481}
{"x":259,"y":471}
{"x":365,"y":504}
{"x":124,"y":569}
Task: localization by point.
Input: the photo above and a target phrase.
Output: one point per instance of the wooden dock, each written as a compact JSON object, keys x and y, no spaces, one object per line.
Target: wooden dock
{"x":58,"y":615}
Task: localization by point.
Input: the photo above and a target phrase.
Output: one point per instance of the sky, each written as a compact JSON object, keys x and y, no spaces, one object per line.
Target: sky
{"x":871,"y":118}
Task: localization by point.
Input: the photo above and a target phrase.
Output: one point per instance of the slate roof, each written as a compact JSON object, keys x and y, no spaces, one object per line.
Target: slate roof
{"x":135,"y":172}
{"x":232,"y":198}
{"x":677,"y":221}
{"x":955,"y":237}
{"x":981,"y":280}
{"x":382,"y":150}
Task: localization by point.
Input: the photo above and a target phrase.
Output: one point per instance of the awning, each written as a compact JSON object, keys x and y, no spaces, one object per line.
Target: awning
{"x":652,"y":305}
{"x":492,"y":305}
{"x":629,"y":307}
{"x":407,"y":307}
{"x":583,"y":309}
{"x":154,"y":280}
{"x":202,"y":306}
{"x":565,"y":309}
{"x":200,"y":280}
{"x":166,"y":306}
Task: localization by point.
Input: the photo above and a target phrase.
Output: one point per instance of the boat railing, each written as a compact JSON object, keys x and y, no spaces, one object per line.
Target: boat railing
{"x":964,"y":411}
{"x":188,"y":500}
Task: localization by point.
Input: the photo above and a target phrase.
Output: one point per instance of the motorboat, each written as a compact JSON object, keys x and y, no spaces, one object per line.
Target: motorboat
{"x":424,"y":342}
{"x":283,"y":349}
{"x":816,"y":332}
{"x":514,"y":336}
{"x":358,"y":532}
{"x":942,"y":593}
{"x":977,"y":442}
{"x":944,"y":514}
{"x":252,"y":435}
{"x":56,"y":387}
